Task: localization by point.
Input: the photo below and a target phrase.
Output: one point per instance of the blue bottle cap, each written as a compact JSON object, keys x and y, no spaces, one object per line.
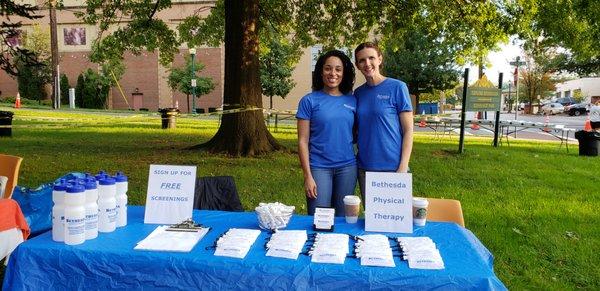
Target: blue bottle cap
{"x":107,"y":181}
{"x":120,"y":177}
{"x":90,"y":184}
{"x":60,"y":187}
{"x":75,"y":188}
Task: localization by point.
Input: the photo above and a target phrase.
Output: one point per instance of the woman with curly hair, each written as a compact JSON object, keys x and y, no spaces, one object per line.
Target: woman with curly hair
{"x":326,"y":118}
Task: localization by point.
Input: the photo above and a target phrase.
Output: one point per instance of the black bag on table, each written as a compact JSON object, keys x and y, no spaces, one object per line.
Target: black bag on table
{"x":217,"y":193}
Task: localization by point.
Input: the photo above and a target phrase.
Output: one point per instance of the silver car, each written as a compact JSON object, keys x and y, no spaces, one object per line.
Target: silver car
{"x":553,"y":108}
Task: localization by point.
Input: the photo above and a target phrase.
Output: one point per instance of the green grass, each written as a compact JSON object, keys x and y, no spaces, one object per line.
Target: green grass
{"x":532,"y":204}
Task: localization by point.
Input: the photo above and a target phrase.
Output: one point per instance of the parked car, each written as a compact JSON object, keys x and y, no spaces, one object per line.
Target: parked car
{"x":566,"y":101}
{"x":553,"y":108}
{"x":577,"y":109}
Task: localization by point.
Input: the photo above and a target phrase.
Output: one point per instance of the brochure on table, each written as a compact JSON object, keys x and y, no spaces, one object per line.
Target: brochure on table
{"x":170,"y":195}
{"x":388,"y":203}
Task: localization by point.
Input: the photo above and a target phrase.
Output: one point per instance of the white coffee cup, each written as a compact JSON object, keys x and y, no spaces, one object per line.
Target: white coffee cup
{"x":420,"y":210}
{"x":352,"y":207}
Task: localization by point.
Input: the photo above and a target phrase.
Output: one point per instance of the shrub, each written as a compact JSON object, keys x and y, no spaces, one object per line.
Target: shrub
{"x":64,"y":89}
{"x":79,"y":91}
{"x":31,"y":80}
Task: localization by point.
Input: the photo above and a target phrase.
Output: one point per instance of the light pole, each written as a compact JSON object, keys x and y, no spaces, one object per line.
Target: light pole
{"x":517,"y":63}
{"x":193,"y":54}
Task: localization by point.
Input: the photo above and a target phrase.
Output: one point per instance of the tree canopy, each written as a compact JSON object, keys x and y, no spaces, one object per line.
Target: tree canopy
{"x":472,"y":28}
{"x":424,"y":61}
{"x":571,"y":28}
{"x":180,"y":79}
{"x":9,"y":29}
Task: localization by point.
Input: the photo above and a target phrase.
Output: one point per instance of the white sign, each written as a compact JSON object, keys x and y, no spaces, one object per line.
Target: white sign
{"x":388,"y":202}
{"x":324,"y":218}
{"x":170,"y":196}
{"x":193,"y":82}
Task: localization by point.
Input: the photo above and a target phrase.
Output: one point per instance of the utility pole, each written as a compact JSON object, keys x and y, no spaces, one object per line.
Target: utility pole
{"x":54,"y":50}
{"x":517,"y":63}
{"x":193,"y":54}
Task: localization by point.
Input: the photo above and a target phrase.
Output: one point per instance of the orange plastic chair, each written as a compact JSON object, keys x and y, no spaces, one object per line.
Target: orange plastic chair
{"x":446,"y":210}
{"x":9,"y":167}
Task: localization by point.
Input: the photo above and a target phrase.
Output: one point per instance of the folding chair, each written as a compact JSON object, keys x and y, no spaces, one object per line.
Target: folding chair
{"x":447,"y":210}
{"x":217,"y":193}
{"x":9,"y":167}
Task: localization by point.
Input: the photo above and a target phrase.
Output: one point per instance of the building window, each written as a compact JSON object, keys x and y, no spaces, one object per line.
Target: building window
{"x":558,"y":94}
{"x":315,"y":52}
{"x":74,"y":36}
{"x":567,"y":94}
{"x":14,"y":40}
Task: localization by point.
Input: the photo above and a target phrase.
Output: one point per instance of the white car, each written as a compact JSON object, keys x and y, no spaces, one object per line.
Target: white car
{"x":553,"y":108}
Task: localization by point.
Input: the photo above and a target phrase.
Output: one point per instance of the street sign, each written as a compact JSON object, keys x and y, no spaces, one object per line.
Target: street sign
{"x":483,"y":96}
{"x":483,"y":99}
{"x":193,"y":82}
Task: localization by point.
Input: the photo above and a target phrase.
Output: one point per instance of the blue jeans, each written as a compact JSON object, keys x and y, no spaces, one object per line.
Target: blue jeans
{"x":332,"y":185}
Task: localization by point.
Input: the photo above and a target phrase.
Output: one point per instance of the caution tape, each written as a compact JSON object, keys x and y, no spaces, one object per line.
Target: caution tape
{"x":81,"y":122}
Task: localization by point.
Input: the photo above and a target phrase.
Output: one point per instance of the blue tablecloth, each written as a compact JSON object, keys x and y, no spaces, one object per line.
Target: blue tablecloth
{"x":109,"y":262}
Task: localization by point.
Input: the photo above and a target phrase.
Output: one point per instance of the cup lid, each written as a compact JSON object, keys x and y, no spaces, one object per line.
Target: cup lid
{"x":107,"y":181}
{"x":420,"y":202}
{"x":60,"y":187}
{"x":90,"y":184}
{"x":75,"y":188}
{"x":351,"y":199}
{"x":120,"y":177}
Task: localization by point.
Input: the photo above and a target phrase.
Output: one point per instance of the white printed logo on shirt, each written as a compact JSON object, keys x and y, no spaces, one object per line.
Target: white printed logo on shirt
{"x":349,"y":107}
{"x":383,"y":97}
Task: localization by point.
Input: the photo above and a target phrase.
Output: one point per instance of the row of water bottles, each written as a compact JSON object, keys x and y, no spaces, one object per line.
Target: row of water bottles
{"x":85,"y":206}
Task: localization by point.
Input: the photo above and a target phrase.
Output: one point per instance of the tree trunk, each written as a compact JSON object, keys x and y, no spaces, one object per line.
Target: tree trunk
{"x":242,"y":133}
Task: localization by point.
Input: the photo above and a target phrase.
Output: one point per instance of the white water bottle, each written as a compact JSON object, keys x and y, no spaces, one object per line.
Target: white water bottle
{"x":91,"y":209}
{"x":75,"y":214}
{"x":58,"y":212}
{"x":122,"y":187}
{"x":107,"y":204}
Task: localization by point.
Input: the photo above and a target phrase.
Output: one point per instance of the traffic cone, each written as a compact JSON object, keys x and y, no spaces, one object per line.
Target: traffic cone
{"x":546,"y":121}
{"x":18,"y":101}
{"x":422,"y":122}
{"x":475,"y":124}
{"x":588,"y":125}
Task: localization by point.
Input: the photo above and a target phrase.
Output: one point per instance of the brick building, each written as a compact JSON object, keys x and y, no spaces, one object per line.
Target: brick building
{"x":144,"y":83}
{"x":143,"y":72}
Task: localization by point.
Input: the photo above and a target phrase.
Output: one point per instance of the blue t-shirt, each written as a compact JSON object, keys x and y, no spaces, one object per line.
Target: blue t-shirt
{"x":331,"y":121}
{"x":379,"y":130}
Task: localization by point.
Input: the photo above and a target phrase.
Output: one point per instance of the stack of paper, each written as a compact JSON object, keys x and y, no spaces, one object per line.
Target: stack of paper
{"x":236,"y":242}
{"x":330,"y":248}
{"x":286,"y":244}
{"x":421,"y":253}
{"x":175,"y":241}
{"x":374,"y":250}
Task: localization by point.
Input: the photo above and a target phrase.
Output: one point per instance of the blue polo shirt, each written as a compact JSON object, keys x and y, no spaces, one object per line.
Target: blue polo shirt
{"x":379,"y":131}
{"x":331,"y":120}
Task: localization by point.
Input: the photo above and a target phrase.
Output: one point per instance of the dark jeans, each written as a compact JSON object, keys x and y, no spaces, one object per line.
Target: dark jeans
{"x":332,"y":185}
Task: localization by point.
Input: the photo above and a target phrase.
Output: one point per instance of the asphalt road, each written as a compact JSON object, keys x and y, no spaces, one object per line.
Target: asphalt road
{"x":574,"y":122}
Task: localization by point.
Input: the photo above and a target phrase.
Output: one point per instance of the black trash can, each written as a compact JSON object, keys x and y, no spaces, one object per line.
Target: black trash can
{"x":6,"y":123}
{"x":168,"y":117}
{"x":588,"y":142}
